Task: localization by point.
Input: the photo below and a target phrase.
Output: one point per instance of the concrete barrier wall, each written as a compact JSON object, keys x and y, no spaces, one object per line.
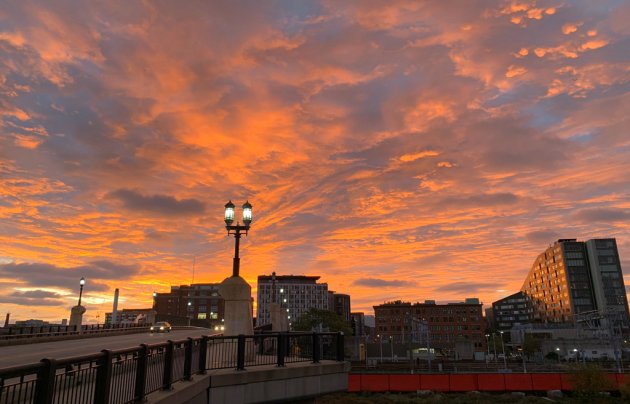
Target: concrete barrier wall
{"x":466,"y":382}
{"x":73,"y":335}
{"x":296,"y":381}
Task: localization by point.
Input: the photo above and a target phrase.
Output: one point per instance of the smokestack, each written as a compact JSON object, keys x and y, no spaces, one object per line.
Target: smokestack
{"x":115,"y":310}
{"x":6,"y":321}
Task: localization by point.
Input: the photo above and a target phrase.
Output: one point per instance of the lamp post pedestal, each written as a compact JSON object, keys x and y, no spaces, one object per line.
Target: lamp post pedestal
{"x":237,"y":295}
{"x":76,"y":315}
{"x":279,"y":320}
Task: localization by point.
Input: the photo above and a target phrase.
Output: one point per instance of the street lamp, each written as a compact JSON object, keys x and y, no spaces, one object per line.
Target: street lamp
{"x":426,"y":324}
{"x":237,"y":230}
{"x":391,"y":347}
{"x":494,"y":347}
{"x":82,"y":283}
{"x":488,"y":345}
{"x":503,"y":349}
{"x":558,"y":353}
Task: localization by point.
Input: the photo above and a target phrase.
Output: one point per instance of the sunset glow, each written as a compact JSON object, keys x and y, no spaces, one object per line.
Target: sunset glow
{"x":400,"y":150}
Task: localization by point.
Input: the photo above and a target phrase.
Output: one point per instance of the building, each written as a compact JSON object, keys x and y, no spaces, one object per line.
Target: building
{"x":296,"y":293}
{"x":608,"y":284}
{"x":490,"y":323}
{"x":132,"y":316}
{"x":572,"y":278}
{"x":513,"y":310}
{"x":357,"y":323}
{"x":200,"y":302}
{"x":31,"y":323}
{"x":447,"y":323}
{"x":341,"y":306}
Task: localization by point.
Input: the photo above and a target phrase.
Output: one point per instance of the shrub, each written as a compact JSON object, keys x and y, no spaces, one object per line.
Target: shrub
{"x":588,"y":381}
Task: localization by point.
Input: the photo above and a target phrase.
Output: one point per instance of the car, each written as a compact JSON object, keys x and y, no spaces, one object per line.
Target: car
{"x":161,"y":326}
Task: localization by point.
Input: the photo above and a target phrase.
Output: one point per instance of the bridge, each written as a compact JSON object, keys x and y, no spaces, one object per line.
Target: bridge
{"x":199,"y":369}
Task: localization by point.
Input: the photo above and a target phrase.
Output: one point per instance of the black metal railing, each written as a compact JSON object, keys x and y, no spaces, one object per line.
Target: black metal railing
{"x":128,"y":375}
{"x":20,"y":333}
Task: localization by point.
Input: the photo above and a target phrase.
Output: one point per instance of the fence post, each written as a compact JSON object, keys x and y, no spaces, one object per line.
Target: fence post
{"x":167,"y":380}
{"x":188,"y":359}
{"x":282,"y":348}
{"x":103,"y":378}
{"x":141,"y":373}
{"x":240,"y":353}
{"x":340,"y":347}
{"x":261,"y":345}
{"x":45,"y":385}
{"x":316,"y":351}
{"x":203,"y":353}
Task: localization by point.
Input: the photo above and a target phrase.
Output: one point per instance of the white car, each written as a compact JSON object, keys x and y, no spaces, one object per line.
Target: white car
{"x":161,"y":326}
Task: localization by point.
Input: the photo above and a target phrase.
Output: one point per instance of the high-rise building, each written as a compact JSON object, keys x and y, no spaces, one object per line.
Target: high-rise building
{"x":341,"y":306}
{"x":513,"y":310}
{"x":357,"y":323}
{"x":572,"y":277}
{"x":607,"y":276}
{"x":296,"y":293}
{"x":199,"y":301}
{"x":447,"y":323}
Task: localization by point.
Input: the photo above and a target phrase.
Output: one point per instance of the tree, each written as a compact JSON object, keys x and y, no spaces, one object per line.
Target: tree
{"x":553,"y":356}
{"x":328,"y":320}
{"x":531,"y":345}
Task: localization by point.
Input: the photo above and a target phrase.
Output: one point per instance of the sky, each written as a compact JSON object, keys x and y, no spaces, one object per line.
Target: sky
{"x":398,"y":149}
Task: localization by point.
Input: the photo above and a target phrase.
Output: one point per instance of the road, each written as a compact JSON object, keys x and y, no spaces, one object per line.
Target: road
{"x":31,"y":353}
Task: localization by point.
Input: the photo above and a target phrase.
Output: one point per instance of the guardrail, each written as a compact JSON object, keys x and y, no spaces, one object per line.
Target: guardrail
{"x":14,"y":333}
{"x":128,"y":375}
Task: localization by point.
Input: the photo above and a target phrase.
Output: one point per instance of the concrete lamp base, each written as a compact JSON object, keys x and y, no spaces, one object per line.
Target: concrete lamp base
{"x":237,"y":295}
{"x":76,"y":315}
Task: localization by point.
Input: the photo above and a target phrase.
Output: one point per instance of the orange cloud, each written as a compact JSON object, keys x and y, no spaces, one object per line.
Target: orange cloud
{"x":570,"y":28}
{"x":399,"y":139}
{"x":419,"y":155}
{"x":515,"y":71}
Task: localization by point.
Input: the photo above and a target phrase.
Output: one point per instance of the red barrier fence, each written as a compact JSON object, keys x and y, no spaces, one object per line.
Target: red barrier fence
{"x":466,"y":382}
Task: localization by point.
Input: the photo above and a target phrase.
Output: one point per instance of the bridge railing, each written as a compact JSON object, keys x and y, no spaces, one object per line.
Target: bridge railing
{"x":13,"y":333}
{"x":128,"y":375}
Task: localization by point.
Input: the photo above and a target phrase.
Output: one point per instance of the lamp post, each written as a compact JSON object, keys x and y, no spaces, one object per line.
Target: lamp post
{"x":488,"y":345}
{"x":82,"y":283}
{"x":558,"y":354}
{"x":237,"y":230}
{"x":494,"y":347}
{"x":503,"y":349}
{"x":380,"y":342}
{"x":426,"y":324}
{"x":154,"y":300}
{"x":391,"y":348}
